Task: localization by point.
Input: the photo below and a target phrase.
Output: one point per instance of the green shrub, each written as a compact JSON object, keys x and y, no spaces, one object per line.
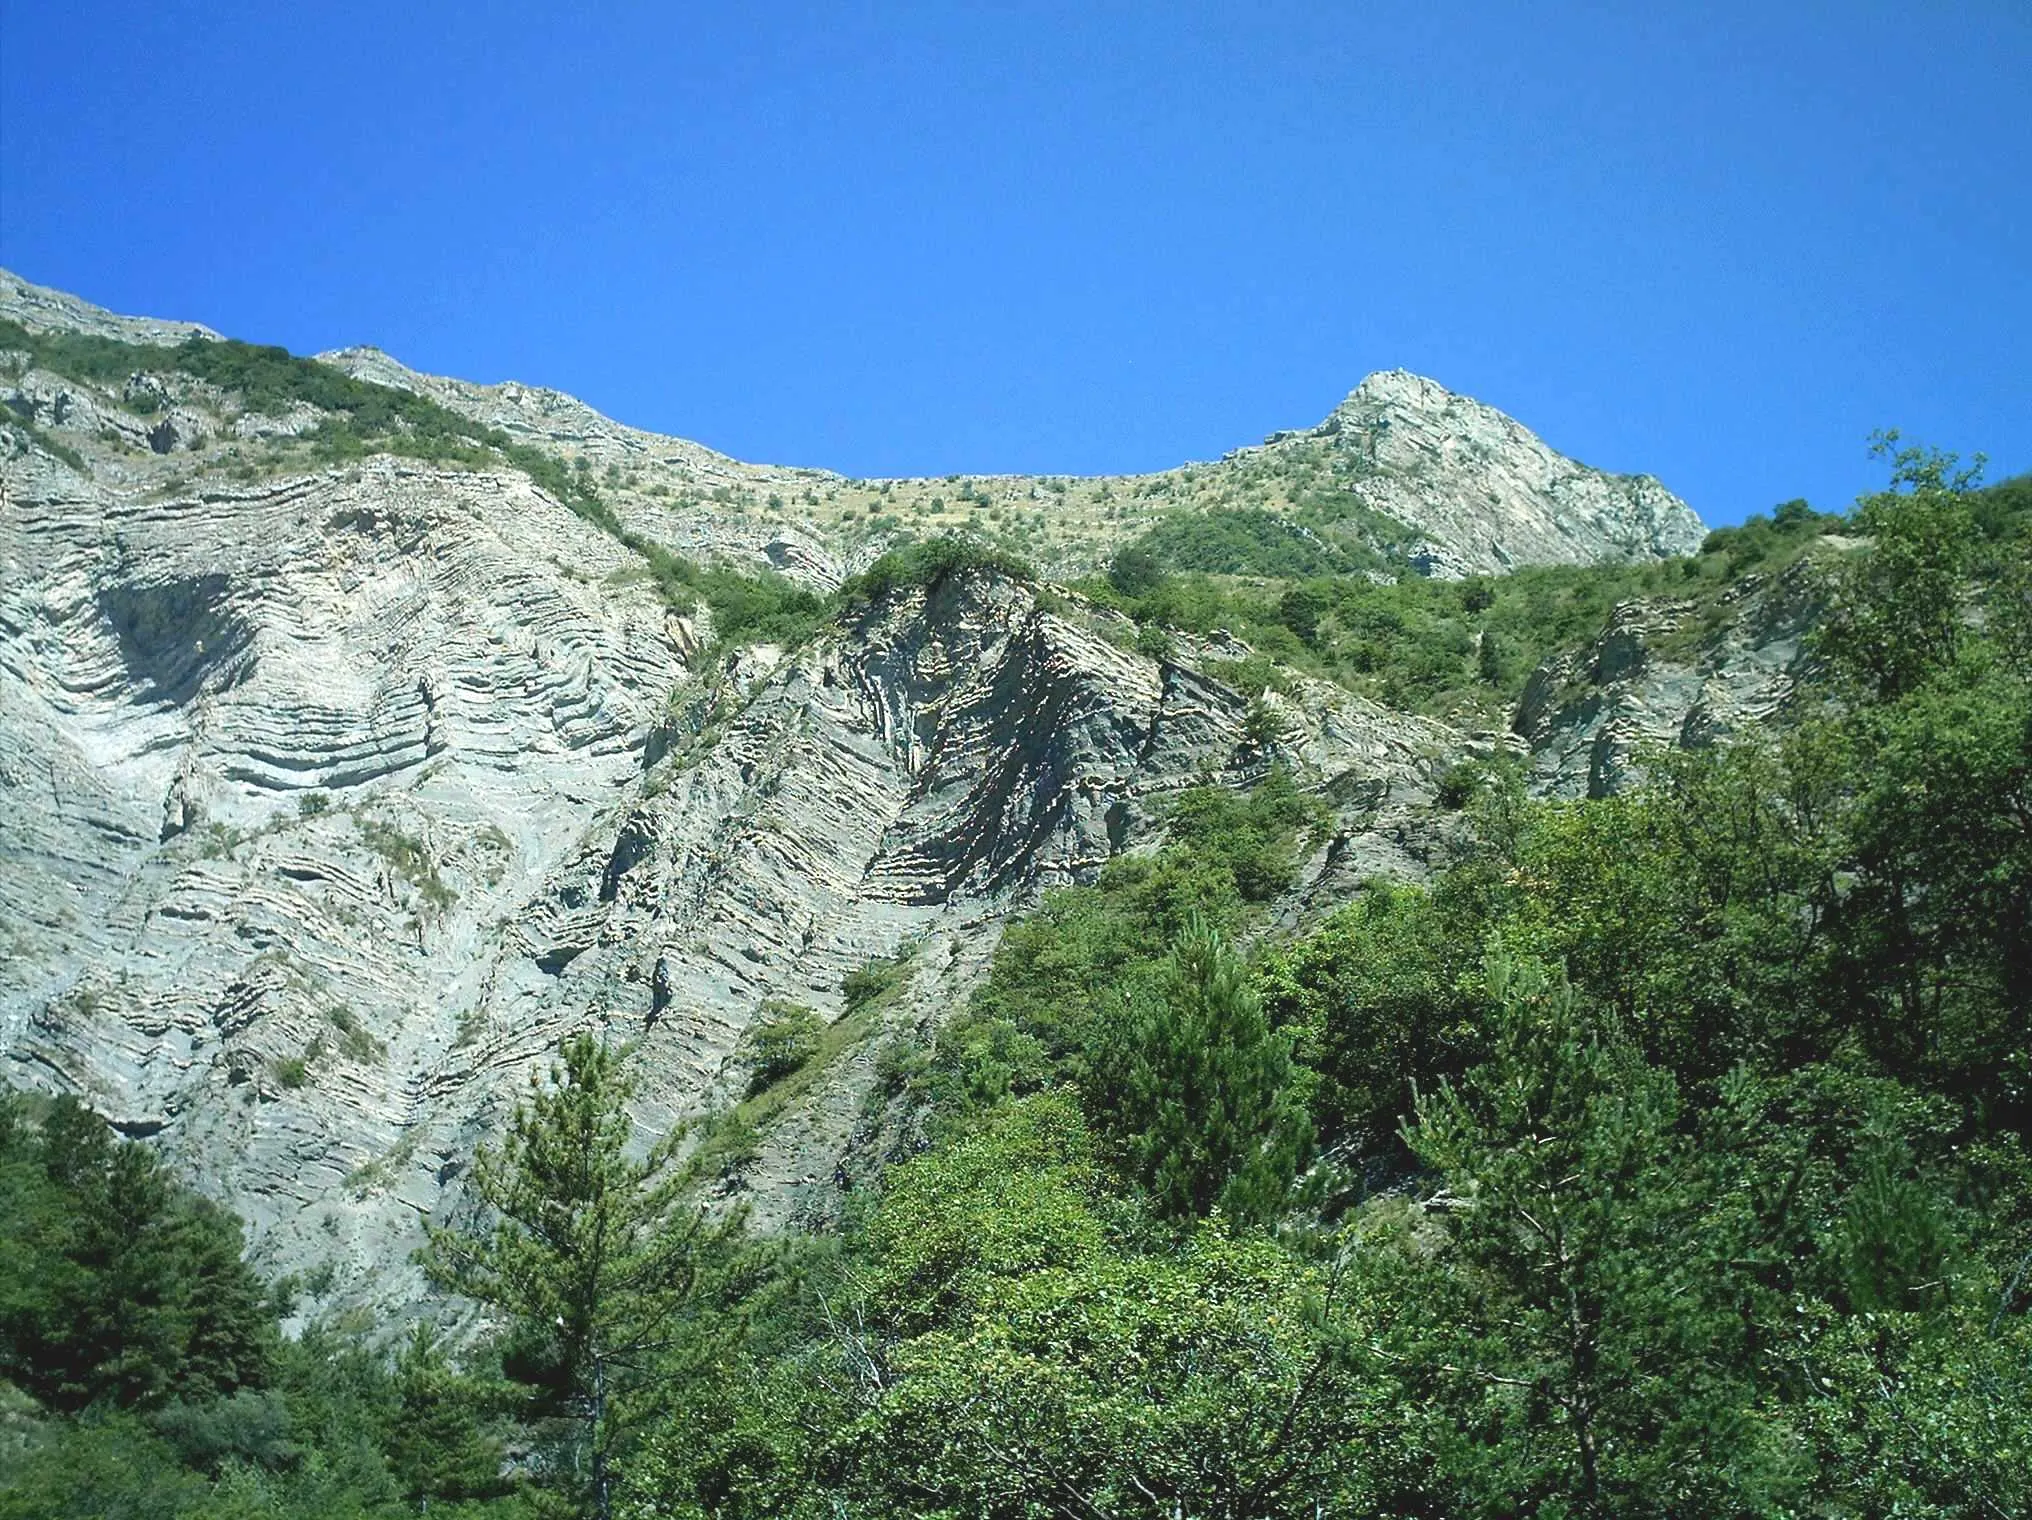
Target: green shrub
{"x":356,"y":1042}
{"x":1243,"y":541}
{"x":294,"y":1071}
{"x":879,"y":980}
{"x":728,"y":1145}
{"x":900,"y":1067}
{"x":1135,"y":571}
{"x":782,"y":1043}
{"x":1154,"y":642}
{"x":928,"y":563}
{"x":1251,"y":835}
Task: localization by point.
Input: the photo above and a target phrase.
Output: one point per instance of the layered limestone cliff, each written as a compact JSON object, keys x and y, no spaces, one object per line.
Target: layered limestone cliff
{"x":333,"y":797}
{"x":331,"y":807}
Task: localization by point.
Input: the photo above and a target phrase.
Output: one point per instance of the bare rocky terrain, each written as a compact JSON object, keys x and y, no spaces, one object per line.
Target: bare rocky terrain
{"x":332,"y":797}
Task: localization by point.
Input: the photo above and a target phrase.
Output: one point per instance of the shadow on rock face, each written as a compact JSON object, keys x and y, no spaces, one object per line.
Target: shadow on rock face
{"x":173,"y":634}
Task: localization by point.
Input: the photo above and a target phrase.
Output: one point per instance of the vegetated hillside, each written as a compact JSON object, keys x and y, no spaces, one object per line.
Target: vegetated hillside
{"x":1664,"y":1155}
{"x":1547,"y":1043}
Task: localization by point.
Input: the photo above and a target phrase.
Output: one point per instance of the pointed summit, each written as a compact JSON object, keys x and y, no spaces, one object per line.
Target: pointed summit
{"x":1487,"y":491}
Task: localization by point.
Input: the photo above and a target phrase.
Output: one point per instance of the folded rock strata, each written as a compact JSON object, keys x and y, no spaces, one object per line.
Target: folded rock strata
{"x":331,"y":801}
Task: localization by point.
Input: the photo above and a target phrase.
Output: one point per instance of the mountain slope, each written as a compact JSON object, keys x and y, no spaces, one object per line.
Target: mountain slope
{"x":343,"y":772}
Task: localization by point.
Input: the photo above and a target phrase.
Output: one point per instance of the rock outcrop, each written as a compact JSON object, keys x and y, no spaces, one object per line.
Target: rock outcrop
{"x":1665,"y":674}
{"x":333,"y":797}
{"x":41,"y":309}
{"x":1486,"y":492}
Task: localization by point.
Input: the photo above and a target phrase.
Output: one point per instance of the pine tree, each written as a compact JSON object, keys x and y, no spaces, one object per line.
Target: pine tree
{"x":120,"y":1286}
{"x":1200,"y":1090}
{"x":436,"y":1439}
{"x":592,"y":1254}
{"x":1568,"y":1324}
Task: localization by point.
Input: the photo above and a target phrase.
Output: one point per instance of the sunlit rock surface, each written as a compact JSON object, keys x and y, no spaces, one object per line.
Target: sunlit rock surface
{"x":332,"y":799}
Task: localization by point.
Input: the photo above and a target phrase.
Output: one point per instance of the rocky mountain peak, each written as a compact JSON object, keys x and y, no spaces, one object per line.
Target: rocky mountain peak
{"x":1488,"y":493}
{"x":1398,"y":388}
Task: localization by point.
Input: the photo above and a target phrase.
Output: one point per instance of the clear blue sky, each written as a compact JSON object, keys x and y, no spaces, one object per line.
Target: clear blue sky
{"x":1719,"y":242}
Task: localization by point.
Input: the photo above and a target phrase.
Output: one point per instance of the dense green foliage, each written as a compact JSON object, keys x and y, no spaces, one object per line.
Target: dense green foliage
{"x":1200,"y":1096}
{"x":1236,"y":541}
{"x":1670,"y":1148}
{"x":1666,"y":1156}
{"x":117,"y":1287}
{"x":926,"y":564}
{"x":141,"y":1373}
{"x":1305,"y":593}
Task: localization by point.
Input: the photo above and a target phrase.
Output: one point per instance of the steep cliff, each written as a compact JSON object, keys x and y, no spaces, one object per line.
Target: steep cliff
{"x":331,"y":806}
{"x":336,"y":787}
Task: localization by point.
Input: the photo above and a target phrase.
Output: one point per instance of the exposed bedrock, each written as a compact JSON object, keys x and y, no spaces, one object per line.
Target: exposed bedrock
{"x":333,"y":798}
{"x":1658,"y":677}
{"x":330,"y":807}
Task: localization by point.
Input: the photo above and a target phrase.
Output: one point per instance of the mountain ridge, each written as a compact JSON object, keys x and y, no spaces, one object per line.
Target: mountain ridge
{"x":1477,"y":491}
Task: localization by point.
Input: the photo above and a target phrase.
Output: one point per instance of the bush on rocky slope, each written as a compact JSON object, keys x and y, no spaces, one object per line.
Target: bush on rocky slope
{"x":1443,"y":647}
{"x":925,"y":564}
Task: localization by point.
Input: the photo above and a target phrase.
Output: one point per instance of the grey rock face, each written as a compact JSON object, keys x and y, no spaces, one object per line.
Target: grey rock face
{"x":1656,"y":677}
{"x":331,"y":802}
{"x":328,"y":807}
{"x":271,"y":766}
{"x":1487,"y":491}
